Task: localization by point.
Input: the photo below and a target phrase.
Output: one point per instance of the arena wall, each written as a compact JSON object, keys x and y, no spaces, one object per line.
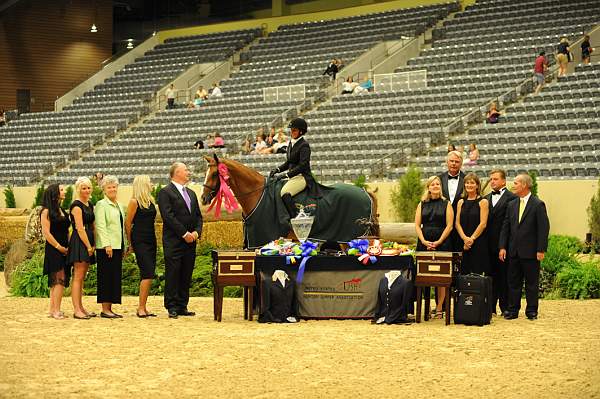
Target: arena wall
{"x":566,"y":200}
{"x":47,"y":47}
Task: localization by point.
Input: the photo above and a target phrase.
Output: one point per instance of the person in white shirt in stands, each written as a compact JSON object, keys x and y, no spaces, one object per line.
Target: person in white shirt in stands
{"x":216,"y":91}
{"x":348,"y":86}
{"x":171,"y":93}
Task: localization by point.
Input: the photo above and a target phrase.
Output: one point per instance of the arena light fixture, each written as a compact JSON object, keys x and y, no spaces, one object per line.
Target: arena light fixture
{"x":94,"y":29}
{"x":129,"y":44}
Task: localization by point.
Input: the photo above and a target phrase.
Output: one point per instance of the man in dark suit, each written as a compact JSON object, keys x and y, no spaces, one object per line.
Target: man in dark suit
{"x":525,"y":234}
{"x":498,"y":199}
{"x":452,"y":187}
{"x":182,"y":226}
{"x":297,"y":165}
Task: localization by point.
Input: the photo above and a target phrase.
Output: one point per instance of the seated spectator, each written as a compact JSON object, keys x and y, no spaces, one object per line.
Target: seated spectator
{"x":364,"y":87}
{"x":473,"y":155}
{"x":493,"y":114}
{"x":332,"y":69}
{"x":339,"y":63}
{"x":348,"y":86}
{"x":201,"y":93}
{"x":2,"y":118}
{"x":461,"y":150}
{"x":199,"y":144}
{"x":217,"y":142}
{"x":279,"y":147}
{"x":216,"y":91}
{"x":260,"y":144}
{"x":271,"y":138}
{"x":451,"y":147}
{"x":246,"y":146}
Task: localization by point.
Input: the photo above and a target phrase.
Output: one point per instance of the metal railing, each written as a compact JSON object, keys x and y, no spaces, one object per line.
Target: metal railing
{"x":284,"y":93}
{"x":399,"y":81}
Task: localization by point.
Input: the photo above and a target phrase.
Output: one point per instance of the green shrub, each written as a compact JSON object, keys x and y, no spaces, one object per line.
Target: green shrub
{"x":2,"y":255}
{"x":29,"y":279}
{"x":560,"y":254}
{"x":534,"y":187}
{"x":361,"y":181}
{"x":581,"y":281}
{"x":594,"y":220}
{"x":39,"y":195}
{"x":407,"y":194}
{"x":155,"y":191}
{"x":66,"y":204}
{"x":9,"y":197}
{"x":97,"y":193}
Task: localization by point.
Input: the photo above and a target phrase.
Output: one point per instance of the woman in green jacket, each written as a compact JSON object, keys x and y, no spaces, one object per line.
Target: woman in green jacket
{"x":111,"y":243}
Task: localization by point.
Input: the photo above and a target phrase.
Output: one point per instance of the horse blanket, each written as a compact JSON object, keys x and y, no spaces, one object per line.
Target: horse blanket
{"x":337,"y":212}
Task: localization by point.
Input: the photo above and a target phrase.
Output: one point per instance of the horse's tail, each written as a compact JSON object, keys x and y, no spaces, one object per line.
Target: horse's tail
{"x":374,"y":215}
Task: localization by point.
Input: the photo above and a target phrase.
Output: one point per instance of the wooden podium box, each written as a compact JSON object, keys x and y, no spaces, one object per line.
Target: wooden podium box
{"x":434,"y":269}
{"x":233,"y":268}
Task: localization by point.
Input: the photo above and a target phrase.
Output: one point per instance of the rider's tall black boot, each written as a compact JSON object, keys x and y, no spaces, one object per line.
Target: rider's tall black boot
{"x":289,"y":205}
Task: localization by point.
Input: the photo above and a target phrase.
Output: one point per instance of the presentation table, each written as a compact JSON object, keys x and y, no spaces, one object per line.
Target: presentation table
{"x":338,"y":287}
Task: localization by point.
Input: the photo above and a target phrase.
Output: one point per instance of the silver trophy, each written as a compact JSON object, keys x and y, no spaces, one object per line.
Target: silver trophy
{"x":302,"y":224}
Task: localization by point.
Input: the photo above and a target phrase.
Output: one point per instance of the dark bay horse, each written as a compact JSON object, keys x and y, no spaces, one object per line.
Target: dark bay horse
{"x":250,"y":187}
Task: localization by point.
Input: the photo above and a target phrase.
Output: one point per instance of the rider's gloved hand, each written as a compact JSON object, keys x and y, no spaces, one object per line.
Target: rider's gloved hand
{"x":273,"y":173}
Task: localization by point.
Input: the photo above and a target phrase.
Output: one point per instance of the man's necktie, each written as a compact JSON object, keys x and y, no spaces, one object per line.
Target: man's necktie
{"x":521,"y":208}
{"x":496,"y":192}
{"x":452,"y":177}
{"x":186,"y":198}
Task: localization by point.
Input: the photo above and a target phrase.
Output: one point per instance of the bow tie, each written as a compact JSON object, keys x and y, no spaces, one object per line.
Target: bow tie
{"x":452,"y":177}
{"x":496,"y":192}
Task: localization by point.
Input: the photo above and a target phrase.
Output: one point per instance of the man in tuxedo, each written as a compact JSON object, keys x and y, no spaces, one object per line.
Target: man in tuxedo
{"x":525,"y":235}
{"x":452,"y":187}
{"x":297,"y":165}
{"x":182,"y":226}
{"x":498,"y":199}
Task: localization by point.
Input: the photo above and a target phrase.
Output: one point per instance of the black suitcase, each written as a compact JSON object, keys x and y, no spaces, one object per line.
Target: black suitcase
{"x":472,"y":300}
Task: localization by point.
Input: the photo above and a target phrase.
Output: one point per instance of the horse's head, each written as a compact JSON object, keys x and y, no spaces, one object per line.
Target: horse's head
{"x":212,"y":183}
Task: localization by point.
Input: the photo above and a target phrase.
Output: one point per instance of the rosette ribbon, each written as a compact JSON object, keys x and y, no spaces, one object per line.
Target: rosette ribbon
{"x":306,"y":249}
{"x":359,"y":248}
{"x":224,"y":196}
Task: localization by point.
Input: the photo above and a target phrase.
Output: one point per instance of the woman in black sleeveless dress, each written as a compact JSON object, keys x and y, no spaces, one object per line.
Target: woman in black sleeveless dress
{"x":81,"y":245}
{"x":433,"y":222}
{"x":55,"y":228}
{"x":141,"y":213}
{"x":471,"y":221}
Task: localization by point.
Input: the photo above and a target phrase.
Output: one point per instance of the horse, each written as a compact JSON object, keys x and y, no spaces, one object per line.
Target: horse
{"x":227,"y":178}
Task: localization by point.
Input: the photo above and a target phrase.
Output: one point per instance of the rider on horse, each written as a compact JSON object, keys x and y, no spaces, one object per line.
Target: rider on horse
{"x":297,"y":165}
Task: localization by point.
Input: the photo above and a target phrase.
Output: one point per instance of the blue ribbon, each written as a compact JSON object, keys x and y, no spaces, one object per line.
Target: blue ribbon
{"x":360,"y":244}
{"x":307,"y":247}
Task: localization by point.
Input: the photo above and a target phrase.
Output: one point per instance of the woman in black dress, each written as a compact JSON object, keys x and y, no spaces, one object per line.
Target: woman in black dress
{"x":55,"y":228}
{"x":471,"y":221}
{"x":82,"y":244}
{"x":433,"y":222}
{"x":139,"y":225}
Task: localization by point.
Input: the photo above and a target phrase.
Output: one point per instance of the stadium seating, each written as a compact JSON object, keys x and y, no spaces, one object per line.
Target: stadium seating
{"x":169,"y":135}
{"x":37,"y":143}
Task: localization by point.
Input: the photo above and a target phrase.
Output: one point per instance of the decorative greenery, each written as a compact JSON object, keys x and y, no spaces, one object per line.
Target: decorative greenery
{"x":39,"y":194}
{"x":97,"y":193}
{"x":155,"y":191}
{"x":68,"y":197}
{"x":407,"y":194}
{"x":361,"y":181}
{"x":534,"y":187}
{"x":9,"y":197}
{"x":561,"y":253}
{"x":594,"y":220}
{"x":580,"y":281}
{"x":29,"y":279}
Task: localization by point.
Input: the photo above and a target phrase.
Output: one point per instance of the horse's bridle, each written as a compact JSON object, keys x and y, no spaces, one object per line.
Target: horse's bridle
{"x":213,"y":190}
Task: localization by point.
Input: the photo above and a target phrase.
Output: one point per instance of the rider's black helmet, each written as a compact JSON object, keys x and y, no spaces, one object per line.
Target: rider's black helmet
{"x":299,"y":124}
